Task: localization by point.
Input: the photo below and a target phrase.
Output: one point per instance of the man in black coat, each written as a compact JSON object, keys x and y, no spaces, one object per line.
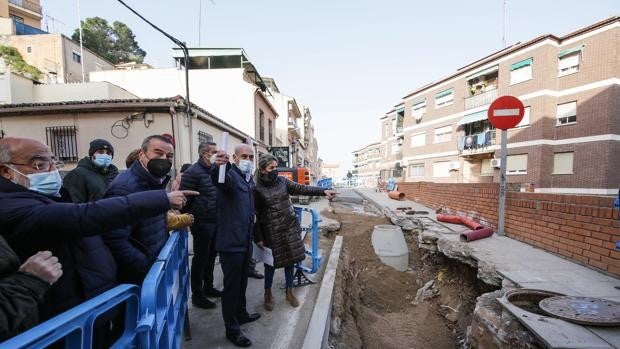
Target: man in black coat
{"x":135,"y":247}
{"x":90,"y":179}
{"x":33,"y":220}
{"x":235,"y":223}
{"x":22,"y":288}
{"x":204,"y":209}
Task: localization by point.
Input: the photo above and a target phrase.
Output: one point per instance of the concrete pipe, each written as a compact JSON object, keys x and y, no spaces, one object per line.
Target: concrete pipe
{"x":469,"y":223}
{"x":396,"y":195}
{"x":390,"y":246}
{"x":472,"y":235}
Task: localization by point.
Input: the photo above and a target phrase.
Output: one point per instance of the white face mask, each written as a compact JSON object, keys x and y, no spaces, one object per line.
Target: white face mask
{"x":46,"y":183}
{"x":246,"y":166}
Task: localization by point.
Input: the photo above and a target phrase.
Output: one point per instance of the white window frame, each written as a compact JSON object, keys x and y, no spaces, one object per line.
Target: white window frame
{"x":521,"y":74}
{"x":567,"y":156}
{"x":569,"y":64}
{"x":417,"y":110}
{"x":441,"y":132}
{"x":395,"y":148}
{"x":525,"y":122}
{"x":418,"y":140}
{"x":522,"y":158}
{"x":445,"y":100}
{"x":564,"y":112}
{"x":436,"y":168}
{"x":417,"y":166}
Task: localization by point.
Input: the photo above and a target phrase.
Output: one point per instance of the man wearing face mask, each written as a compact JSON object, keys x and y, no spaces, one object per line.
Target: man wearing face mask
{"x":33,"y":220}
{"x":90,"y":179}
{"x":235,"y":223}
{"x":136,"y":247}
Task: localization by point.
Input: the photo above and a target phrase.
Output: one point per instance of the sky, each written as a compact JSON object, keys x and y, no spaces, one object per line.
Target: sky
{"x":349,"y":61}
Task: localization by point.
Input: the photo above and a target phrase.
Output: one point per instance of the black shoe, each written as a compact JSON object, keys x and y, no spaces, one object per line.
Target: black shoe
{"x":244,"y":319}
{"x":256,"y":275}
{"x":201,"y":301}
{"x":213,"y":292}
{"x":239,"y":340}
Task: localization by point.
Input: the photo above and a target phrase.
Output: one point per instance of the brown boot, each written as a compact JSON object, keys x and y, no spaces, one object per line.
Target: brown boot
{"x":268,"y":300}
{"x":291,"y":299}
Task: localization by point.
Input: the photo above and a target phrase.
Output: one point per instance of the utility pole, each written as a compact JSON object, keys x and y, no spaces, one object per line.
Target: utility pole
{"x":505,"y":17}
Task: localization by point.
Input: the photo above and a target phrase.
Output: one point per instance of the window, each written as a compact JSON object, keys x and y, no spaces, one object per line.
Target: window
{"x":516,"y":164}
{"x":441,"y":169}
{"x":567,"y":113}
{"x":416,"y":170}
{"x":418,"y":140}
{"x":486,"y":168}
{"x":270,"y":132}
{"x":526,"y":118}
{"x":395,"y":148}
{"x":261,"y":122}
{"x":204,"y":137}
{"x":76,"y":57}
{"x":394,"y":122}
{"x":443,"y":134}
{"x":387,"y":129}
{"x":568,"y":60}
{"x":563,"y":163}
{"x":62,"y":140}
{"x":521,"y":71}
{"x":418,"y":109}
{"x":29,"y":49}
{"x":444,"y":98}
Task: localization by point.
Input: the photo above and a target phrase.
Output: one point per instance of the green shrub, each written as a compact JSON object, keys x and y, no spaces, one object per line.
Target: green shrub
{"x":14,"y":59}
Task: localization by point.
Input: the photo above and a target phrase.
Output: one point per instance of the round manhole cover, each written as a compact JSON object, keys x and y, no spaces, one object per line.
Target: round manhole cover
{"x":583,"y":310}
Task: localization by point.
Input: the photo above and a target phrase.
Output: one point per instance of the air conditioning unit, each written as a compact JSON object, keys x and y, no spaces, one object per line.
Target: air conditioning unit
{"x":496,"y":163}
{"x":454,"y":166}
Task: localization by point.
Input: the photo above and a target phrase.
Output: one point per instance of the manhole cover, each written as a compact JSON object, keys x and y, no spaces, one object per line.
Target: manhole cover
{"x":583,"y":310}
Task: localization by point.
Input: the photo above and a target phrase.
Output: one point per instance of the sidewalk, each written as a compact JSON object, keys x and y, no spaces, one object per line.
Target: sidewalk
{"x":499,"y":258}
{"x":284,"y":327}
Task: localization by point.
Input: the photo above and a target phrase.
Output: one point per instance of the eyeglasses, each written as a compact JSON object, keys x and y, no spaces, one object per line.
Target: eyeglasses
{"x":40,"y":164}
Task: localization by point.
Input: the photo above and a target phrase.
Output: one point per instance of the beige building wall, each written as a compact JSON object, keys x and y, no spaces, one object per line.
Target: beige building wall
{"x":28,"y":10}
{"x":4,"y":8}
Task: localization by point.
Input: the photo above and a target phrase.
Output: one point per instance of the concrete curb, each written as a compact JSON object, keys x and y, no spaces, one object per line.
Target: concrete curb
{"x":318,"y":329}
{"x":372,"y":201}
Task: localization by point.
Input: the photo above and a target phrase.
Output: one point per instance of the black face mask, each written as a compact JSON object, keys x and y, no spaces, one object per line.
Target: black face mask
{"x":273,"y":175}
{"x":159,"y":168}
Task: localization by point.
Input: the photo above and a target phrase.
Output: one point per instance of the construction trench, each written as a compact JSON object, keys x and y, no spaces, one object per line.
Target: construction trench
{"x":436,"y":302}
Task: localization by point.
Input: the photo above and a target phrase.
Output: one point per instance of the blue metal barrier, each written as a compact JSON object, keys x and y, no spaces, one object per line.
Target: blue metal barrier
{"x":165,"y":292}
{"x":155,"y":314}
{"x":314,"y":251}
{"x":76,"y":324}
{"x":326,"y":183}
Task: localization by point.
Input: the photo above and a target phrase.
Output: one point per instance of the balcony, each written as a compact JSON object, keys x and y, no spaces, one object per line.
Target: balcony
{"x":27,"y":5}
{"x":478,"y":143}
{"x":480,"y":99}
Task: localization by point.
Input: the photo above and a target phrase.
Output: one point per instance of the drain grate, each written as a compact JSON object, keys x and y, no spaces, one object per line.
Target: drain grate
{"x":583,"y":310}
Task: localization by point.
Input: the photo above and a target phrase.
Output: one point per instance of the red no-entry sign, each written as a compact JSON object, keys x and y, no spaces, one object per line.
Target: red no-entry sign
{"x":506,"y":112}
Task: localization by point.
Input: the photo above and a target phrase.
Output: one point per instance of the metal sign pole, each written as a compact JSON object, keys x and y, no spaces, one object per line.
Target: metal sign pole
{"x":502,"y":185}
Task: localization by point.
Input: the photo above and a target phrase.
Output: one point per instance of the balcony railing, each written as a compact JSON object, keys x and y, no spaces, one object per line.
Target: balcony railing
{"x":28,"y":5}
{"x":480,"y":99}
{"x":477,"y":143}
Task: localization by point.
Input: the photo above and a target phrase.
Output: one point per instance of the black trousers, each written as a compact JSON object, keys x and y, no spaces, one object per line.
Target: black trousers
{"x":235,"y":269}
{"x":203,"y":261}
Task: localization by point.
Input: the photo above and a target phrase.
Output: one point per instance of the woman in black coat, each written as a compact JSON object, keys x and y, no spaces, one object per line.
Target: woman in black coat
{"x":277,"y":225}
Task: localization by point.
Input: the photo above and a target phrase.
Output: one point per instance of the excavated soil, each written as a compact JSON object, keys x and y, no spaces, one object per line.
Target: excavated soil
{"x":374,"y":304}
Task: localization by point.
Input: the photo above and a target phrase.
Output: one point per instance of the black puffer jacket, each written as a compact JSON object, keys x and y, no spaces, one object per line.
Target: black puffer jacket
{"x":203,"y":206}
{"x":278,"y":227}
{"x":20,"y":294}
{"x":87,"y":182}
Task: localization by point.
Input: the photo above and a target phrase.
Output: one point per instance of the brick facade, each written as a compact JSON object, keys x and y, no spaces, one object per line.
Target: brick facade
{"x":581,"y":228}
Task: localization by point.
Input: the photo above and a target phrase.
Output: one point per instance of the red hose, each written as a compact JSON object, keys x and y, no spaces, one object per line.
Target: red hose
{"x":472,"y":235}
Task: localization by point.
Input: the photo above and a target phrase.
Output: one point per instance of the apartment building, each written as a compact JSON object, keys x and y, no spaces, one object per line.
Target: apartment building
{"x":311,"y":159}
{"x":567,"y":142}
{"x":367,"y":164}
{"x":26,"y":12}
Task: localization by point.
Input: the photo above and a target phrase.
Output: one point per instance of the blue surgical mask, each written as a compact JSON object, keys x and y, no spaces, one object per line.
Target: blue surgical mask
{"x":246,"y":166}
{"x":46,"y":183}
{"x":102,"y":160}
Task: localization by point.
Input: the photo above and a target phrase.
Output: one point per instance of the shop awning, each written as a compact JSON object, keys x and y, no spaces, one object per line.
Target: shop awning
{"x":569,"y":51}
{"x":473,"y":117}
{"x":521,"y":64}
{"x":444,"y":93}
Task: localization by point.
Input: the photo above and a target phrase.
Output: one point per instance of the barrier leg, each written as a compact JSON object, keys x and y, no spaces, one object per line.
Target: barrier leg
{"x":187,"y":331}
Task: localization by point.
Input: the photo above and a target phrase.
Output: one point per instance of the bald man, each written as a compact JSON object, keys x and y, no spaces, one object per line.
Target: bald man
{"x":235,"y":224}
{"x":33,"y":219}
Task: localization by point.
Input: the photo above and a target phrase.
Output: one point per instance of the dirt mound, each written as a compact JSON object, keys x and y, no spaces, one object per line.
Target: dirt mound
{"x":374,"y":304}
